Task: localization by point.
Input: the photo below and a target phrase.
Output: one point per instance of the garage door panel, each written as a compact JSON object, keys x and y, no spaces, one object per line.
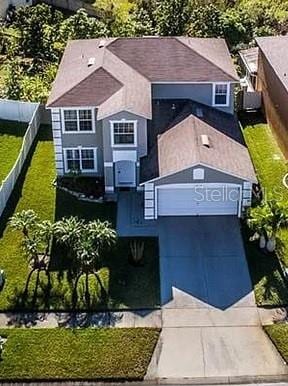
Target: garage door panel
{"x":198,"y":201}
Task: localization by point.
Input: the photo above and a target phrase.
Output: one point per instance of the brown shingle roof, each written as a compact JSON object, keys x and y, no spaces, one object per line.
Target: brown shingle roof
{"x":122,"y":72}
{"x":224,"y":154}
{"x":108,"y":83}
{"x":275,"y":49}
{"x":176,"y":59}
{"x":89,"y":91}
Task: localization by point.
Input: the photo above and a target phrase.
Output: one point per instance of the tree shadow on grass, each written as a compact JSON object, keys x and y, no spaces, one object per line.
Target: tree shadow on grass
{"x":270,"y":286}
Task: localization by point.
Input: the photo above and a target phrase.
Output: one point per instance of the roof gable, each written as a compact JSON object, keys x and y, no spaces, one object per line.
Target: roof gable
{"x":224,"y":153}
{"x":90,"y":91}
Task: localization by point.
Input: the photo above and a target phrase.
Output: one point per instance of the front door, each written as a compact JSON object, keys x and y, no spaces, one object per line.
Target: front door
{"x":125,"y":174}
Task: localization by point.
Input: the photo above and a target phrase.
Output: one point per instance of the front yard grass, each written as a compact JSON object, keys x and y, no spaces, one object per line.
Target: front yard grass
{"x":104,"y":354}
{"x":126,"y":286}
{"x":11,"y":136}
{"x":269,"y":285}
{"x":278,"y":333}
{"x":271,"y":166}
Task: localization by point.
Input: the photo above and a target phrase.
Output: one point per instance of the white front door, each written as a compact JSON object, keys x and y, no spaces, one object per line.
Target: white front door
{"x":196,"y":201}
{"x":125,"y":173}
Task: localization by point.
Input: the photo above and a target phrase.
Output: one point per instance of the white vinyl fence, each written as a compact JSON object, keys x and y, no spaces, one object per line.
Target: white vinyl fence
{"x":16,"y":110}
{"x":22,"y":111}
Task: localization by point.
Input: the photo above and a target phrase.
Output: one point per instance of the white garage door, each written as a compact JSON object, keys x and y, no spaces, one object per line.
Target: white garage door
{"x":198,"y":201}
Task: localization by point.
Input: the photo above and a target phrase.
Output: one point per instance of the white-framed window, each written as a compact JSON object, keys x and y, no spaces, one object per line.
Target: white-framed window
{"x":78,"y":120}
{"x":123,"y":133}
{"x":80,"y":158}
{"x":221,"y":94}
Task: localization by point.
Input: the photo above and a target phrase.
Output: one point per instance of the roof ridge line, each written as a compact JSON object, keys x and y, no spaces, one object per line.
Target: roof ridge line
{"x":195,"y":136}
{"x":208,"y":60}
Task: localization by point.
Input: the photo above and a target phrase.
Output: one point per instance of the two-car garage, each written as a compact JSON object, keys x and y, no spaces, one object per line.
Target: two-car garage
{"x":198,"y":199}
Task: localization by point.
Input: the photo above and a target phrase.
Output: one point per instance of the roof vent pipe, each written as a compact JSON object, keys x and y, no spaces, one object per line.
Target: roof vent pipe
{"x":101,"y":43}
{"x":205,"y":140}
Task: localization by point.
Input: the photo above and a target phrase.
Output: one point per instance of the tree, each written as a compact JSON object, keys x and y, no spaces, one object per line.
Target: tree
{"x":81,"y":26}
{"x":86,"y":242}
{"x":37,"y":242}
{"x":38,"y":26}
{"x":36,"y":88}
{"x":205,"y":21}
{"x":171,"y":17}
{"x":237,"y":28}
{"x":13,"y":79}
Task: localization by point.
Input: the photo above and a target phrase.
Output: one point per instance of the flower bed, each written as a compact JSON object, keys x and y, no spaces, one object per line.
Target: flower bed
{"x":82,"y":187}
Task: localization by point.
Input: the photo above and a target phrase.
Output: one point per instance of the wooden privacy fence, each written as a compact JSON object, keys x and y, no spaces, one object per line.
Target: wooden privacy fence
{"x":33,"y":109}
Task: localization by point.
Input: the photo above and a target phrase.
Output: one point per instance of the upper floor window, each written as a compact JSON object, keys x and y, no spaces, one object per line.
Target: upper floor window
{"x":221,"y":94}
{"x":123,"y":133}
{"x":78,"y":120}
{"x":82,"y":159}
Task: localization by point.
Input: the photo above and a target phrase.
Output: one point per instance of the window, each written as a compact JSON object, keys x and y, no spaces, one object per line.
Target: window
{"x":78,"y":120}
{"x":82,"y":159}
{"x":73,"y":159}
{"x":221,"y":94}
{"x":123,"y":133}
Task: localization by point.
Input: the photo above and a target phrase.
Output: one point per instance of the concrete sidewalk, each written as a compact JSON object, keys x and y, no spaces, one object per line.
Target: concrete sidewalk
{"x":120,"y":319}
{"x":218,"y":354}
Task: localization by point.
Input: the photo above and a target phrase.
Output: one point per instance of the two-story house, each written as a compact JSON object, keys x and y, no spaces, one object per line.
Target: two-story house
{"x":154,"y":114}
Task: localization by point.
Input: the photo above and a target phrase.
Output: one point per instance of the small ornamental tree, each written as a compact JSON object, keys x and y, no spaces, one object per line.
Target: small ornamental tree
{"x":37,"y":241}
{"x":86,"y":242}
{"x":266,"y":221}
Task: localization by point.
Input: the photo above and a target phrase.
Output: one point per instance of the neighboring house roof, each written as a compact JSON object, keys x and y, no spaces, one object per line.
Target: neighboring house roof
{"x":116,"y":74}
{"x":275,"y":49}
{"x":250,"y":59}
{"x":226,"y":152}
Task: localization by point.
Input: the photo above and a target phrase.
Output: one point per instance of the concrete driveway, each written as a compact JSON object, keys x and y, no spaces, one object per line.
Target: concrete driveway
{"x":203,"y":263}
{"x":211,"y":328}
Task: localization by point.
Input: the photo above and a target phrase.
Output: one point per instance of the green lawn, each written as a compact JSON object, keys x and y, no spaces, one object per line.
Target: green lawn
{"x":278,"y":333}
{"x":104,"y":354}
{"x":11,"y":135}
{"x":269,"y":285}
{"x":126,"y":286}
{"x":270,"y":165}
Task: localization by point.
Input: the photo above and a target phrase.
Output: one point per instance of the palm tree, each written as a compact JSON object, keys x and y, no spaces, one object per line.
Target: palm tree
{"x":86,"y":241}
